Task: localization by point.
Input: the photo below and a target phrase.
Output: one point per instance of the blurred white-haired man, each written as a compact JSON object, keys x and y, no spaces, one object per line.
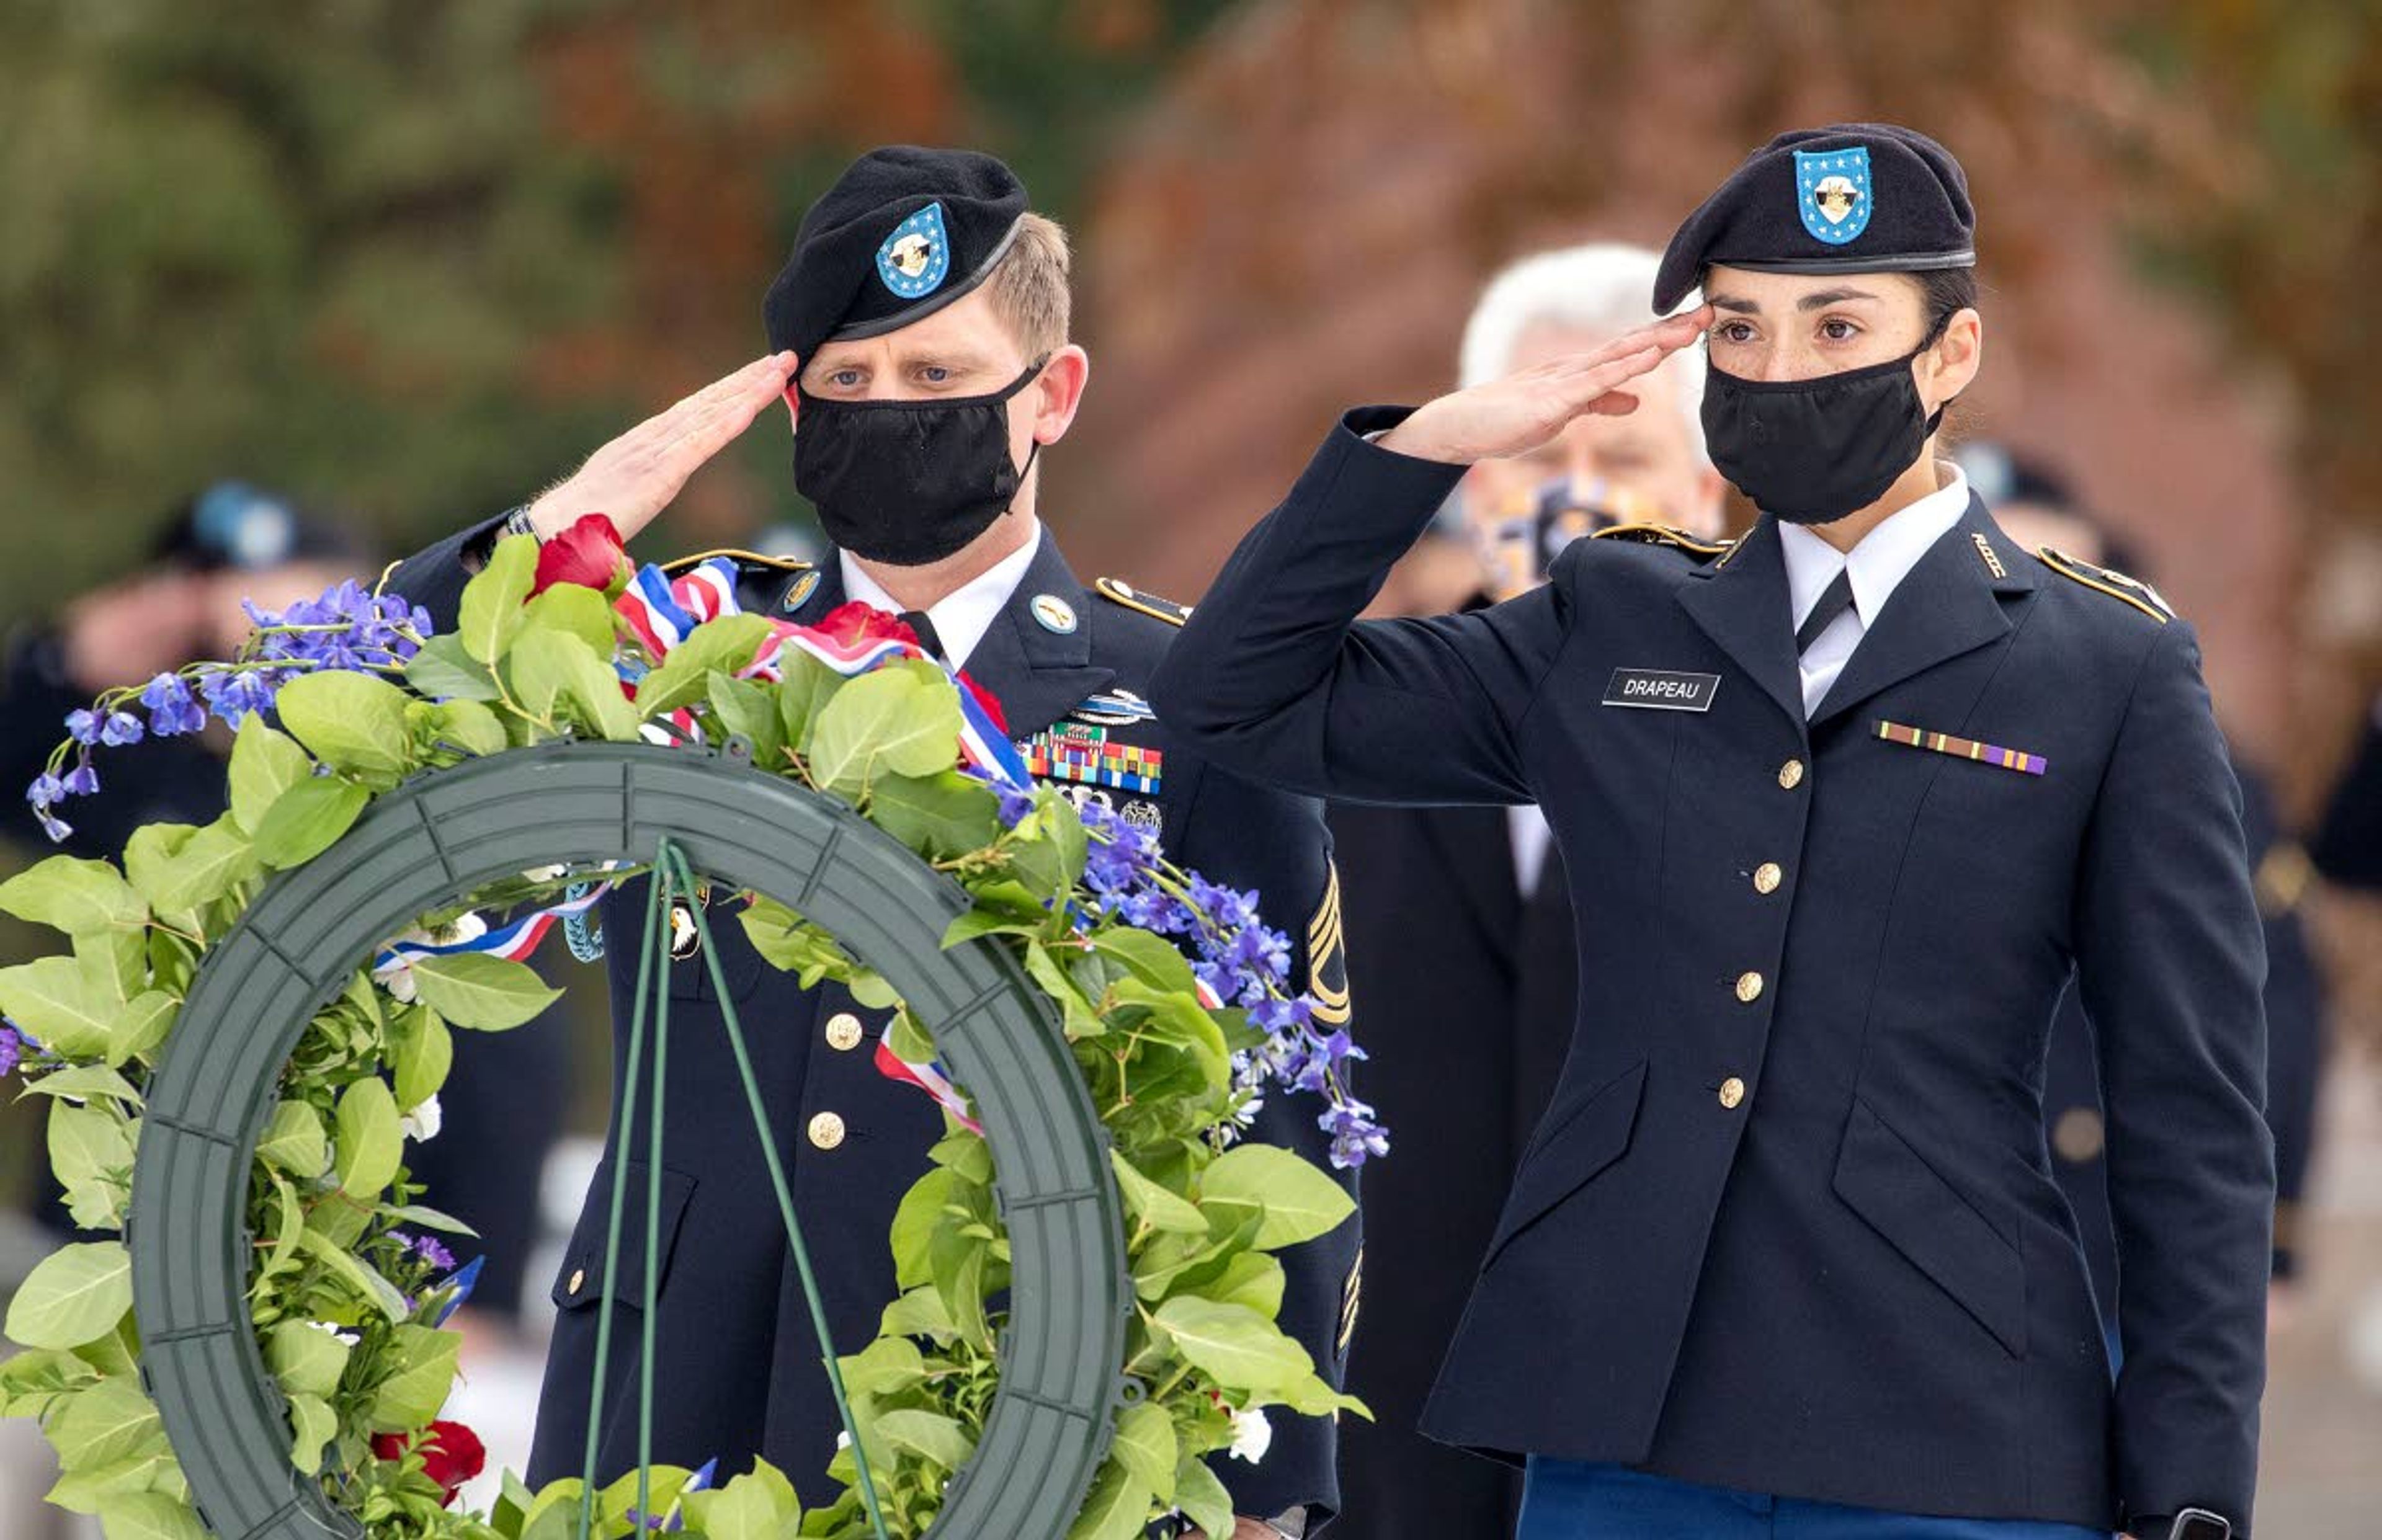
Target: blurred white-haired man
{"x":1460,"y":914}
{"x":1645,"y":467}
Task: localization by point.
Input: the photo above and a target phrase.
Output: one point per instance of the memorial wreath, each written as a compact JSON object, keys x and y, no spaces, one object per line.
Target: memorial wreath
{"x":272,"y":1245}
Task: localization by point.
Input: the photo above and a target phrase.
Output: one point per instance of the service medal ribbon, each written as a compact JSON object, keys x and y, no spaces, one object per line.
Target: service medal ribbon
{"x":1963,"y":748}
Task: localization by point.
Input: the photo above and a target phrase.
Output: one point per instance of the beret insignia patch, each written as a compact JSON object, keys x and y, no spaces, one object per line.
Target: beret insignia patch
{"x":916,"y":257}
{"x":1832,"y":192}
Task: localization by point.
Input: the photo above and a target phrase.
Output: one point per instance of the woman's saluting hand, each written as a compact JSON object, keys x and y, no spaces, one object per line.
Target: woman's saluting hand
{"x":1514,"y":415}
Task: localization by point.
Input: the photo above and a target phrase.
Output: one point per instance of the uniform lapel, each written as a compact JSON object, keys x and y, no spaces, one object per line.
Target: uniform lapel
{"x":1038,"y":674}
{"x":1741,"y":603}
{"x":1948,"y":605}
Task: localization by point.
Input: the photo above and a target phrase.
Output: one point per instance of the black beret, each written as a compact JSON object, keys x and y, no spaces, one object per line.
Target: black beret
{"x":903,"y":232}
{"x":1849,"y":197}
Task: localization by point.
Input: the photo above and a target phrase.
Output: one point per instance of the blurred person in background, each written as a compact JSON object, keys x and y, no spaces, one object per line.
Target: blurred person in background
{"x":235,"y":542}
{"x":2036,"y":509}
{"x":1459,"y":925}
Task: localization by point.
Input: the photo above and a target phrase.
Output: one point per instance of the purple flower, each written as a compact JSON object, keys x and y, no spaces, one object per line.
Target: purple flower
{"x":232,"y":694}
{"x":121,"y":728}
{"x":12,"y":1049}
{"x":45,"y":790}
{"x":345,"y":628}
{"x":172,"y":712}
{"x":428,"y":1249}
{"x":1016,"y":803}
{"x":83,"y":726}
{"x":81,"y":781}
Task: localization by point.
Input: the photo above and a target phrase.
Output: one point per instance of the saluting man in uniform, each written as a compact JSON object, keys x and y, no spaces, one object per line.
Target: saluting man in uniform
{"x":1847,"y":803}
{"x":919,"y":337}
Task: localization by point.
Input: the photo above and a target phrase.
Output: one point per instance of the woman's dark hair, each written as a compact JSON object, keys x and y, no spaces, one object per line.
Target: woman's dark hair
{"x":1944,"y":292}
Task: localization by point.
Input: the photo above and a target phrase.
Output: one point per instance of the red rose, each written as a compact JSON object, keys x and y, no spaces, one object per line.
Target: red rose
{"x":989,"y":702}
{"x":589,"y":553}
{"x":852,"y":623}
{"x":451,"y":1454}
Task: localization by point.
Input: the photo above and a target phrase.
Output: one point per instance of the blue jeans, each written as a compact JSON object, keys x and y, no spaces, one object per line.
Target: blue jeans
{"x":1564,"y":1499}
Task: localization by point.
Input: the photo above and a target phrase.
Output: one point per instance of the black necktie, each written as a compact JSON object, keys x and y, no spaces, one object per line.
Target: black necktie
{"x":1836,"y":598}
{"x":925,"y":631}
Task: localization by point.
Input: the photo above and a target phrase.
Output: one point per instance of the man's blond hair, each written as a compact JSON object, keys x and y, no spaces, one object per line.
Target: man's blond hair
{"x":1029,"y":287}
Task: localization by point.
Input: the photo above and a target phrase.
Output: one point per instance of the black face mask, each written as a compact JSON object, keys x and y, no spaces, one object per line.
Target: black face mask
{"x":1811,"y":451}
{"x":909,"y":482}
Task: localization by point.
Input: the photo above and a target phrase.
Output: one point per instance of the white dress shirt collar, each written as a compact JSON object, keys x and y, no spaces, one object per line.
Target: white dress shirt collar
{"x":1884,"y":557}
{"x":962,"y":616}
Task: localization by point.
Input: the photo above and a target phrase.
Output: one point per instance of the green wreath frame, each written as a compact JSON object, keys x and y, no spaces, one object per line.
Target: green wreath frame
{"x":439,"y":837}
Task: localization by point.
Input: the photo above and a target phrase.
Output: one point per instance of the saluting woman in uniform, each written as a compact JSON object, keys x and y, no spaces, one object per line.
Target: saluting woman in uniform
{"x":1845,"y":804}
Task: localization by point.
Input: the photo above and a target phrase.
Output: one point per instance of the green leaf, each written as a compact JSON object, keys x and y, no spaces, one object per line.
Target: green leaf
{"x":1239,"y":1349}
{"x":1152,"y":960}
{"x":78,"y":896}
{"x":444,"y":670}
{"x":294,"y":1142}
{"x":1251,"y":1278}
{"x":90,"y":1155}
{"x":309,"y":819}
{"x":370,"y":1141}
{"x":76,"y":1296}
{"x":725,"y":646}
{"x":106,"y":1425}
{"x":351,"y":722}
{"x":1153,"y":1206}
{"x":49,"y":997}
{"x":481,"y":993}
{"x":1200,"y":1495}
{"x":918,"y":1313}
{"x":150,"y":1516}
{"x":574,"y":611}
{"x":313,"y":1426}
{"x":757,"y":1506}
{"x":915,"y":1220}
{"x":265,"y":764}
{"x":150,"y":1470}
{"x":1145,"y":1446}
{"x":425,"y":1053}
{"x":928,"y":1434}
{"x":1117,"y":1507}
{"x":366,"y":1281}
{"x":889,"y":721}
{"x":884,"y":1369}
{"x":284,"y":1229}
{"x":1080,"y":1019}
{"x":412,"y":1397}
{"x":1299,"y":1202}
{"x":552,"y":671}
{"x":212,"y":862}
{"x":470,"y":727}
{"x":306,"y":1359}
{"x":143,"y":1024}
{"x":805,"y":685}
{"x":85,"y":1083}
{"x":748,"y":709}
{"x":939,"y":816}
{"x":490,"y":613}
{"x":149,"y":854}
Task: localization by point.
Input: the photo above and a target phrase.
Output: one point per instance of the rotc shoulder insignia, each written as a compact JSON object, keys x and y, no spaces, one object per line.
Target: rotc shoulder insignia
{"x":1081,"y":752}
{"x":1664,"y":534}
{"x":1148,"y":604}
{"x":917,"y":256}
{"x":2116,"y":585}
{"x":1831,"y":192}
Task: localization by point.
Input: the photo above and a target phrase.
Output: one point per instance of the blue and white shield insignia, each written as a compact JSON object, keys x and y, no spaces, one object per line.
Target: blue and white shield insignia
{"x":1832,"y":192}
{"x":916,"y":257}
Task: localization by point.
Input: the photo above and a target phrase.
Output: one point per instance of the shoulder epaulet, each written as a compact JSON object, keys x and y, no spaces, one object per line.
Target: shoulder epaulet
{"x":2116,"y":585}
{"x":1664,"y":534}
{"x":741,"y":558}
{"x":1131,"y":597}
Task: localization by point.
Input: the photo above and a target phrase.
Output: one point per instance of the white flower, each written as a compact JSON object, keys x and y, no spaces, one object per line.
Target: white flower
{"x":1252,"y":1435}
{"x":423,"y":1123}
{"x":397,"y":977}
{"x":350,"y":1338}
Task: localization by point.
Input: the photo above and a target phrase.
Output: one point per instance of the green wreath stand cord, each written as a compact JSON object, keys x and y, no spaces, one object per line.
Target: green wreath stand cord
{"x":686,"y":814}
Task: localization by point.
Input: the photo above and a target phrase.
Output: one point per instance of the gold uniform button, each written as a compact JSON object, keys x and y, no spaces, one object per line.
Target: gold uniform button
{"x":827,"y":1131}
{"x":1767,"y":876}
{"x":1790,"y":775}
{"x":843,"y":1031}
{"x":578,"y":1279}
{"x":1749,"y":987}
{"x":1732,"y":1091}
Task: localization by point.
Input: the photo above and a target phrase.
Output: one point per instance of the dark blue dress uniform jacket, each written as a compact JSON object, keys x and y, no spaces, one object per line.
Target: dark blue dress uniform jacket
{"x":1788,"y":1226}
{"x":738,"y":1362}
